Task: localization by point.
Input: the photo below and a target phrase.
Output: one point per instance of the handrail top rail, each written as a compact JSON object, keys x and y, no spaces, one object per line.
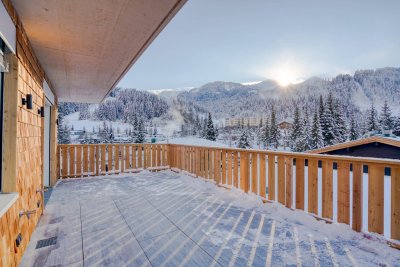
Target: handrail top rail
{"x":388,"y":162}
{"x":304,"y":155}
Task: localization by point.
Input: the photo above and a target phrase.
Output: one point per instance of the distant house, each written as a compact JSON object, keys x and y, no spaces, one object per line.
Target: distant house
{"x":372,"y":147}
{"x":285,"y":125}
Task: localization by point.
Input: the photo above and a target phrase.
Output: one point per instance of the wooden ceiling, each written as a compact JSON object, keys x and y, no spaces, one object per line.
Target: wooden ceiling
{"x":86,"y":46}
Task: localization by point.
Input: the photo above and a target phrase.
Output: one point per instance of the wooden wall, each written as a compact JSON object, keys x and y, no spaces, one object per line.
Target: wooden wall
{"x":22,"y":156}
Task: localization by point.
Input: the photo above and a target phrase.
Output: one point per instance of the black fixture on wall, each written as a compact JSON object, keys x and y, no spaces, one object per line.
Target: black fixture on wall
{"x":27,"y":101}
{"x":40,"y":111}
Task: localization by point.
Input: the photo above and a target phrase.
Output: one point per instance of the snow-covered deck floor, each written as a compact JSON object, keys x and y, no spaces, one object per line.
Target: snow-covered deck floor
{"x":169,"y":219}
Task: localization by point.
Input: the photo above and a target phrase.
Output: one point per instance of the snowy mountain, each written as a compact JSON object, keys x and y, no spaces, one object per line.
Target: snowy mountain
{"x":225,"y":99}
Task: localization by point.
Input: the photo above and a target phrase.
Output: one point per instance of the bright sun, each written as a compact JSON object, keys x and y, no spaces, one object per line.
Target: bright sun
{"x":286,"y":77}
{"x":285,"y":74}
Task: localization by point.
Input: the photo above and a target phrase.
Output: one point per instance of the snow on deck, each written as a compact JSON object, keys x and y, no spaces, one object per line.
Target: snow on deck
{"x":169,"y":219}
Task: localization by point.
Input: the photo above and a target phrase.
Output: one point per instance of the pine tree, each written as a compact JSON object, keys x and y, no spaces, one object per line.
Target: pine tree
{"x":259,"y":133}
{"x":244,"y":141}
{"x":386,"y":120}
{"x":321,"y":108}
{"x":296,"y":135}
{"x":317,"y":139}
{"x":306,"y":132}
{"x":204,"y":128}
{"x":211,"y":135}
{"x":353,"y":132}
{"x":339,"y":122}
{"x":140,"y":134}
{"x":265,"y":134}
{"x":63,"y":132}
{"x":135,"y":123}
{"x":372,"y":124}
{"x":327,"y":122}
{"x":274,"y":132}
{"x":396,"y":130}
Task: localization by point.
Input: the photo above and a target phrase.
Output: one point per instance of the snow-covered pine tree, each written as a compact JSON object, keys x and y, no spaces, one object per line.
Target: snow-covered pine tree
{"x":210,"y":129}
{"x":274,"y":132}
{"x":296,"y":136}
{"x":244,"y":141}
{"x":317,"y":139}
{"x":63,"y":132}
{"x":353,"y":129}
{"x":386,"y":119}
{"x":204,"y":128}
{"x":135,"y":123}
{"x":396,"y":130}
{"x":84,"y":112}
{"x":339,"y":122}
{"x":265,"y":134}
{"x":141,"y":132}
{"x":306,"y":132}
{"x":327,"y":125}
{"x":259,"y":133}
{"x":110,"y":135}
{"x":321,"y":108}
{"x":372,"y":119}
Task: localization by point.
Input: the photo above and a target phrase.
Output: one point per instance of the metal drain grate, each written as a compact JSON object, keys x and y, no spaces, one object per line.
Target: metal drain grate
{"x":46,"y":242}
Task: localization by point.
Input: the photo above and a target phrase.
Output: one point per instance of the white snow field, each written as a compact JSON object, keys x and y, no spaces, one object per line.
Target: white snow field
{"x":169,"y":219}
{"x":194,"y":141}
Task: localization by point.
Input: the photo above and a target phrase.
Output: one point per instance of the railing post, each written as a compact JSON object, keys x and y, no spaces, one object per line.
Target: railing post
{"x":289,"y":181}
{"x":217,"y":166}
{"x":254,"y":173}
{"x":395,"y":221}
{"x":313,"y":186}
{"x":300,"y":183}
{"x":271,"y":177}
{"x":134,"y":156}
{"x":223,"y":162}
{"x":85,"y":160}
{"x":79,"y":160}
{"x":327,"y":189}
{"x":343,"y":184}
{"x":357,"y":196}
{"x":244,"y":171}
{"x":103,"y":159}
{"x":235,"y":170}
{"x":281,"y":180}
{"x":376,"y":174}
{"x":263,"y":176}
{"x":110,"y":157}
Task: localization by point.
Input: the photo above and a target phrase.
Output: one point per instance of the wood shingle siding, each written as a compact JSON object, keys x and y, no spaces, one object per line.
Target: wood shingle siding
{"x":23,"y":150}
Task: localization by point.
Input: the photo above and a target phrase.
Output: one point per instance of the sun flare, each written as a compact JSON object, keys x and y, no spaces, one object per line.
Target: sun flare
{"x":287,"y":76}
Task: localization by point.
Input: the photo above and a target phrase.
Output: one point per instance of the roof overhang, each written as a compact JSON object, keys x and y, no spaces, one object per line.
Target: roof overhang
{"x":86,"y":46}
{"x":368,"y":140}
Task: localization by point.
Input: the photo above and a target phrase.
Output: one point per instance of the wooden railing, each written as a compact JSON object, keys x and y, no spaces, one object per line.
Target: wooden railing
{"x":309,"y":182}
{"x":283,"y":176}
{"x":90,"y":160}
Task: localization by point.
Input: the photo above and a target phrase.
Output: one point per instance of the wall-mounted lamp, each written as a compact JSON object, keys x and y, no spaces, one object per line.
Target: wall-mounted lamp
{"x":40,"y":111}
{"x":27,"y":101}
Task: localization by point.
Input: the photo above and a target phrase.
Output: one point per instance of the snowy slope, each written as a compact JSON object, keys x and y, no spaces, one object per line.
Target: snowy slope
{"x":88,"y":125}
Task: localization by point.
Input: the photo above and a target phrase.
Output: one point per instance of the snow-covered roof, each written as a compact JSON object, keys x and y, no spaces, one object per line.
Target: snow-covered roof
{"x":392,"y":141}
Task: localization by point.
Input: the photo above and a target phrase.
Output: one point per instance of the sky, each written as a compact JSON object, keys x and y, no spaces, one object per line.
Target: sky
{"x":253,"y":40}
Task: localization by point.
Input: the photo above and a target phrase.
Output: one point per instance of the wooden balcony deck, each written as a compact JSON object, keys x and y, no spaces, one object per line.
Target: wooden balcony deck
{"x":168,"y":219}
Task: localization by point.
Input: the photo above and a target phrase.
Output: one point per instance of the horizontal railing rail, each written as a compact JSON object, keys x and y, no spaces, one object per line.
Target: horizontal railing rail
{"x":349,"y":190}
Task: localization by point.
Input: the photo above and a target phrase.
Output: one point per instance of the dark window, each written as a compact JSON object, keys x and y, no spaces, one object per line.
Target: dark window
{"x":2,"y":51}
